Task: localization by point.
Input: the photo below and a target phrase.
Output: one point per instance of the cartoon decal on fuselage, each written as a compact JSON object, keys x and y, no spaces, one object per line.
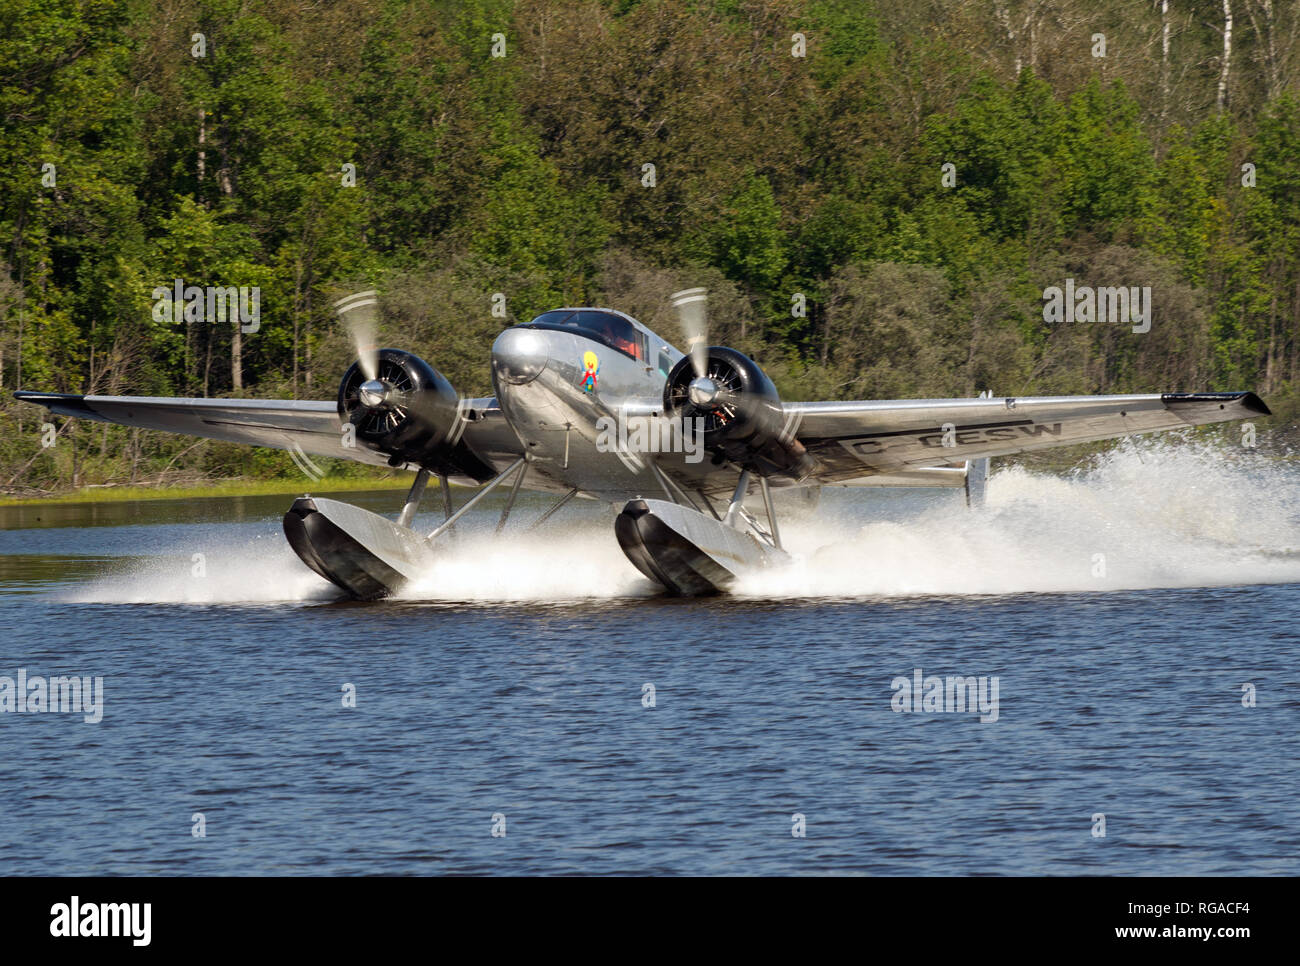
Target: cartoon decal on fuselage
{"x":590,"y":369}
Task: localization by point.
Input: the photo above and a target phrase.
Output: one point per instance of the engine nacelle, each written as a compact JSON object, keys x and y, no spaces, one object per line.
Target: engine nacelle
{"x":743,"y":418}
{"x":410,"y":413}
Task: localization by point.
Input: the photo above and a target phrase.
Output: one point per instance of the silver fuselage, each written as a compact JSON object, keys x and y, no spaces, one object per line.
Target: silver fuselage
{"x":555,"y":408}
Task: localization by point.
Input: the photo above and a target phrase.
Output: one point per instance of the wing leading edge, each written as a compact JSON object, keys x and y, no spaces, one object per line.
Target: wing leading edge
{"x":309,"y":425}
{"x":856,"y":439}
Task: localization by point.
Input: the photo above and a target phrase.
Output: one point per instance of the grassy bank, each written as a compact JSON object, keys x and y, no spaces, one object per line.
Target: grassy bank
{"x":235,"y":487}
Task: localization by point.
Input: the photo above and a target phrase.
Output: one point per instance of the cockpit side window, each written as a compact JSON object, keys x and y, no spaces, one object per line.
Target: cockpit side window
{"x":614,"y":329}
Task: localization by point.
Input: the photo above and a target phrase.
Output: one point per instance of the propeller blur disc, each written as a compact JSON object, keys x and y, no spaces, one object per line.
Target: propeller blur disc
{"x":692,"y":311}
{"x":358,"y":313}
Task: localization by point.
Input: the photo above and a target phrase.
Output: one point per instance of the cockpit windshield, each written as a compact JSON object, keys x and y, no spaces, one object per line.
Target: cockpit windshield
{"x":606,"y":327}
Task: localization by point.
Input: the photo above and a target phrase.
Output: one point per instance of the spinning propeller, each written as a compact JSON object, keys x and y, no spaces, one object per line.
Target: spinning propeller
{"x":716,"y":391}
{"x":359,"y":313}
{"x":737,"y":404}
{"x":398,"y":403}
{"x":381,"y":396}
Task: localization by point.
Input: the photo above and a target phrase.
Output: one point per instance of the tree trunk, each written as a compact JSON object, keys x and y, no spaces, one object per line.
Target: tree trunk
{"x":1267,"y":41}
{"x":1227,"y":55}
{"x":18,"y":374}
{"x":237,"y":354}
{"x":297,"y":310}
{"x":1271,"y":362}
{"x":1004,"y":18}
{"x":207,"y":361}
{"x":1164,"y":59}
{"x":307,"y":346}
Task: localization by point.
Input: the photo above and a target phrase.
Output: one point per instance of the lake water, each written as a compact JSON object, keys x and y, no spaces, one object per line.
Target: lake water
{"x":1140,"y":620}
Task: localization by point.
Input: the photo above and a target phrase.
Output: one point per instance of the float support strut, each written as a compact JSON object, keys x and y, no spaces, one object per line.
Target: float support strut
{"x":413,"y":498}
{"x":487,"y":488}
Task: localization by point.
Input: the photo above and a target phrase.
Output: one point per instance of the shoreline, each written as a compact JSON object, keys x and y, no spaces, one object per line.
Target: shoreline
{"x":126,"y":492}
{"x":1061,"y":461}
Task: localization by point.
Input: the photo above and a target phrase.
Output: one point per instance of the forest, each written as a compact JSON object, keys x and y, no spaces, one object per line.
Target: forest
{"x":878,"y":194}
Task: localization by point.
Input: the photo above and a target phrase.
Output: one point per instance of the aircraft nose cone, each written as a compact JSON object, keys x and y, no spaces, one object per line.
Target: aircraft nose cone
{"x":373,"y":393}
{"x":519,"y":356}
{"x":703,"y":391}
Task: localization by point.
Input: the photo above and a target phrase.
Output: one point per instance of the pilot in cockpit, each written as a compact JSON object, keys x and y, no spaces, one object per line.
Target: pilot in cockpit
{"x":625,"y":345}
{"x":619,"y":336}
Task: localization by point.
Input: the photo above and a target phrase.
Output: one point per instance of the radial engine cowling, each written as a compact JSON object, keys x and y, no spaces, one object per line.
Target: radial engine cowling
{"x":743,"y":420}
{"x":409,"y":412}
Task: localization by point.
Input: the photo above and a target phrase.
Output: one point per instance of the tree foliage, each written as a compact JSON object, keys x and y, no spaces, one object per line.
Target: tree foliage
{"x":914,"y":173}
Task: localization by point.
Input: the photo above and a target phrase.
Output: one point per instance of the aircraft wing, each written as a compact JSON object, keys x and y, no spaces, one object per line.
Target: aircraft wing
{"x":313,"y":426}
{"x":857,"y":439}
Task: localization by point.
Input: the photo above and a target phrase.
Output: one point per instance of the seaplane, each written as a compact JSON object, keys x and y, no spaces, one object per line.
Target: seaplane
{"x":585,"y":399}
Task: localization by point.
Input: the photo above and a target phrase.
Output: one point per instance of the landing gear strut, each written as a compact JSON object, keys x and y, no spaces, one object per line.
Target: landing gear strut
{"x":370,"y":556}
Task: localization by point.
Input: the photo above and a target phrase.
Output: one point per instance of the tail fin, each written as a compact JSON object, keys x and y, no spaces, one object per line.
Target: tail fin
{"x":977,"y":480}
{"x":977,"y":472}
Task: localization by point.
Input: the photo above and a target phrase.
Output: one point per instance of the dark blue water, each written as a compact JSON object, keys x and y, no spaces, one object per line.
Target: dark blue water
{"x":1122,"y":701}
